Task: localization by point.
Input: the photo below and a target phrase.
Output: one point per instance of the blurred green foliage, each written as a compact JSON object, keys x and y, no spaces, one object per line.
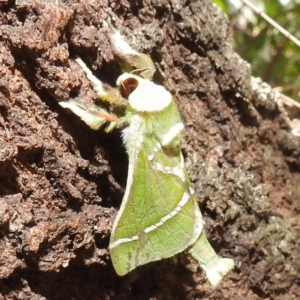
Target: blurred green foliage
{"x":273,"y":57}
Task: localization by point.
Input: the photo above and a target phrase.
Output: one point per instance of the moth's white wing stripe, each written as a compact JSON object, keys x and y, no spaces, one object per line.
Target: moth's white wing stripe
{"x":155,"y":150}
{"x":172,"y":133}
{"x":177,"y":171}
{"x":135,"y":124}
{"x":122,"y":241}
{"x":182,"y":161}
{"x":177,"y":209}
{"x":170,"y":215}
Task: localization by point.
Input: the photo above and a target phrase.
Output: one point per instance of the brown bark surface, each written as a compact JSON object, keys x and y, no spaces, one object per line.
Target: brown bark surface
{"x":61,"y":183}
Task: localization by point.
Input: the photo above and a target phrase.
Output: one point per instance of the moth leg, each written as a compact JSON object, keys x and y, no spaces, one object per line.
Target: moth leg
{"x":104,"y":91}
{"x":130,"y":60}
{"x":214,"y":266}
{"x":93,"y":115}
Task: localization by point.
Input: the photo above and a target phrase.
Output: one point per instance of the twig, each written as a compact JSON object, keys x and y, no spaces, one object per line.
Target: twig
{"x":272,"y":22}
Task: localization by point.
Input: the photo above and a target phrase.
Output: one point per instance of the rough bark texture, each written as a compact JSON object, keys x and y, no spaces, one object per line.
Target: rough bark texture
{"x":61,"y":183}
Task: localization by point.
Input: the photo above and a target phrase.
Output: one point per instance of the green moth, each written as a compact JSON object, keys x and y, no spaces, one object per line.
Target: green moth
{"x":159,"y":215}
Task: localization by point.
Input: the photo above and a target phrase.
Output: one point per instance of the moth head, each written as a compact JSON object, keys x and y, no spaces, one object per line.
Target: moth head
{"x":142,"y":94}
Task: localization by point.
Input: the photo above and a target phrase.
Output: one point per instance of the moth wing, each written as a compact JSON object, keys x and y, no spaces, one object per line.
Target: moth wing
{"x":159,"y":216}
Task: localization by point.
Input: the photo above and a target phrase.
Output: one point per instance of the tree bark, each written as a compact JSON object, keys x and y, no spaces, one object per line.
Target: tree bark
{"x":61,"y":183}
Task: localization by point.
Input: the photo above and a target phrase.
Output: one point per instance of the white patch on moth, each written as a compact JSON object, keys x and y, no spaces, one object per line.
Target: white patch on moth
{"x":148,"y":96}
{"x":216,"y":272}
{"x":177,"y":171}
{"x":155,"y":150}
{"x":124,"y":134}
{"x":172,"y":133}
{"x":151,"y":156}
{"x":192,"y":191}
{"x":139,"y":140}
{"x":185,"y":198}
{"x":182,"y":161}
{"x":130,"y":131}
